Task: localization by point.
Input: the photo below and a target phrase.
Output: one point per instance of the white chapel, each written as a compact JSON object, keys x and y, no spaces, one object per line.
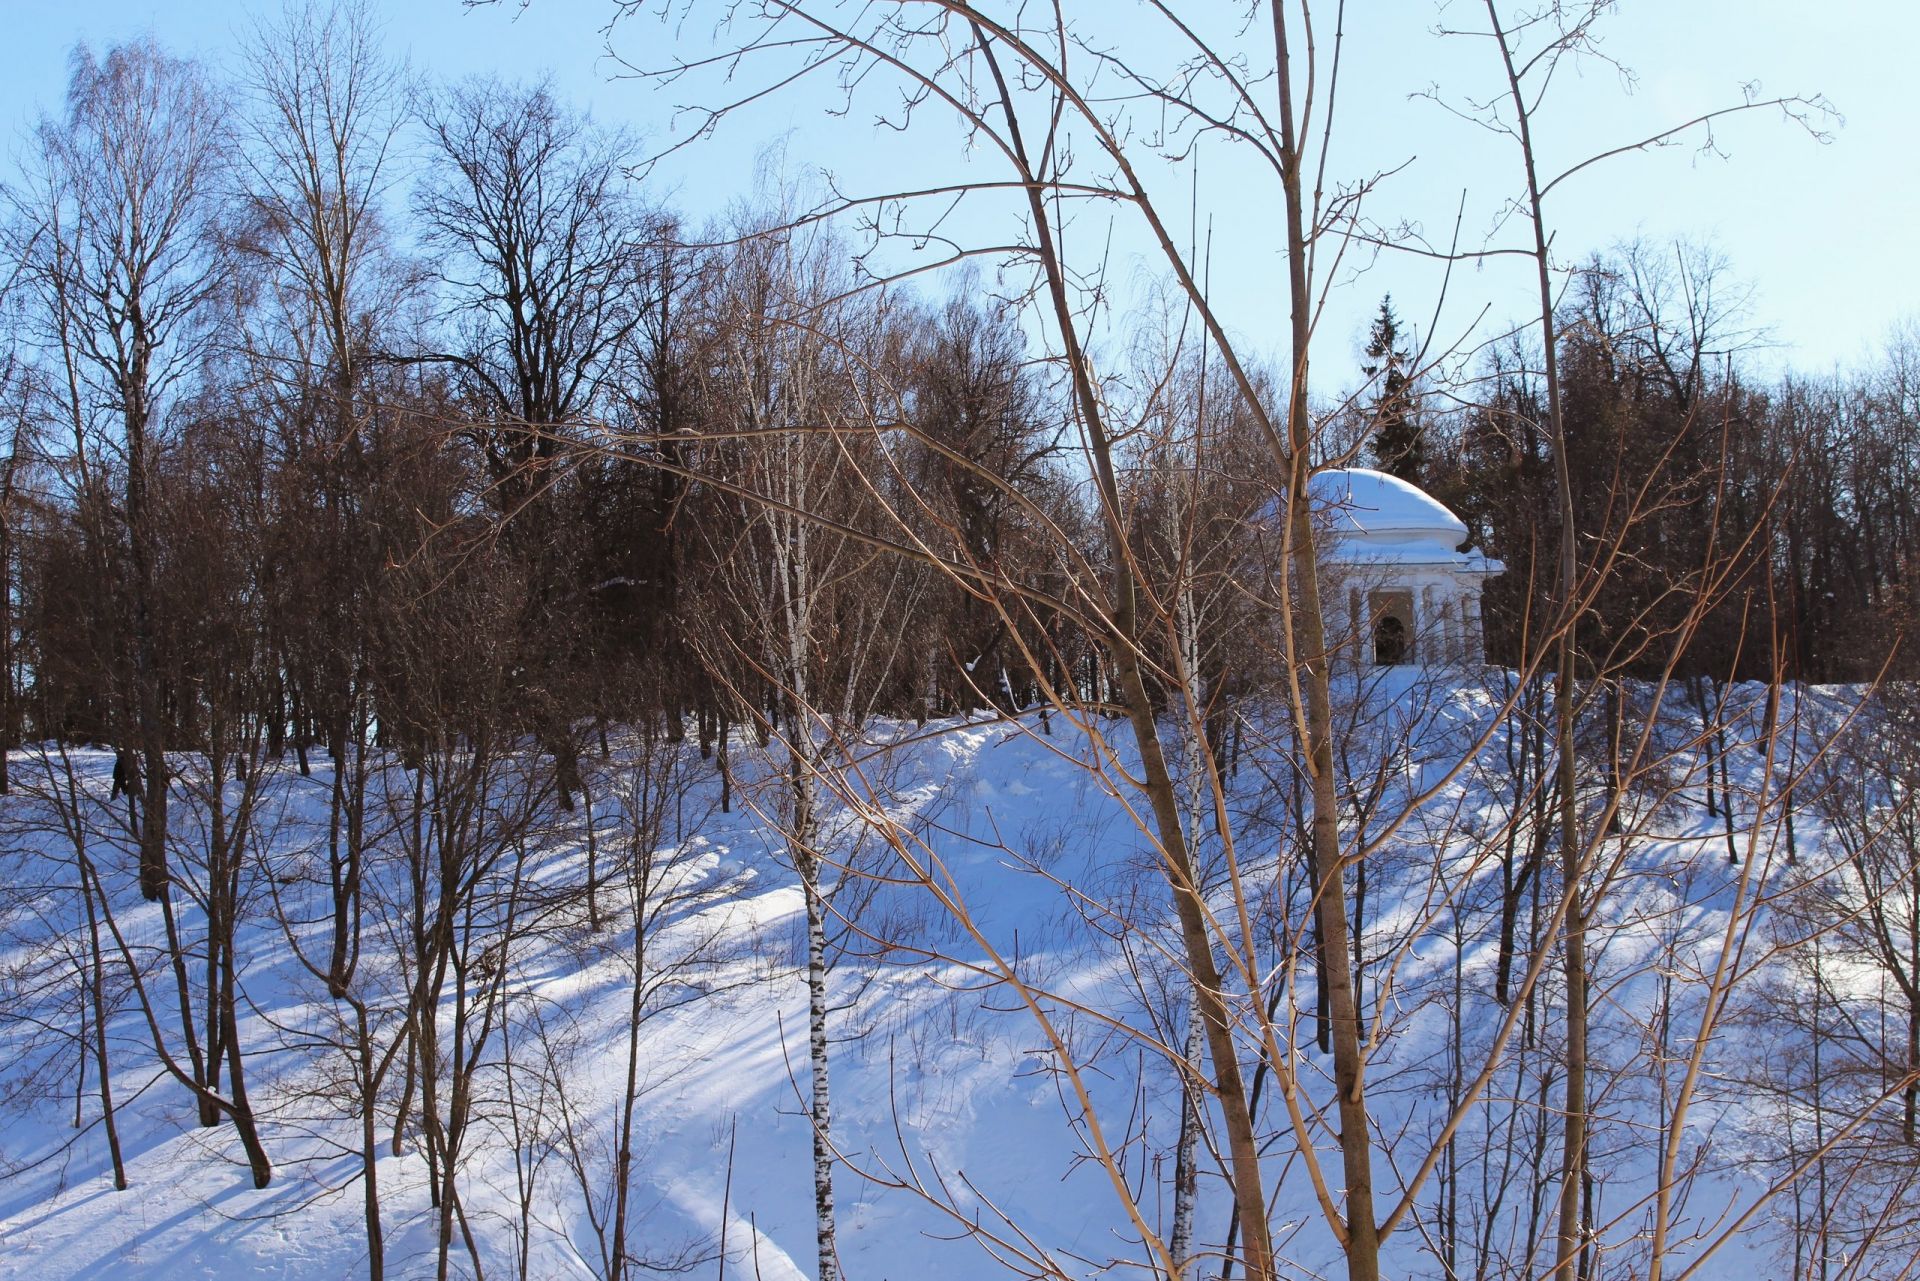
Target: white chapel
{"x":1389,"y":557}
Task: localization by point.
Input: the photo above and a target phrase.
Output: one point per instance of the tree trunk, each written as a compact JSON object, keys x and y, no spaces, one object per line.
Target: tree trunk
{"x":1197,"y":945}
{"x":1186,"y":1172}
{"x":820,"y":1105}
{"x":1361,"y":1228}
{"x":97,"y":995}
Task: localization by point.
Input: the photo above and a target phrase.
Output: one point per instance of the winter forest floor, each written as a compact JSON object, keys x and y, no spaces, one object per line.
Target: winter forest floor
{"x":965,"y":1153}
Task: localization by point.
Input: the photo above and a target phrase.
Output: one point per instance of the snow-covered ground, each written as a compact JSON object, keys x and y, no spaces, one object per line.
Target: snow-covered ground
{"x":965,"y":1147}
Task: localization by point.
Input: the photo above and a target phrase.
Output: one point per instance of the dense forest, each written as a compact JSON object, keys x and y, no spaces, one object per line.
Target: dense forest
{"x":398,"y":438}
{"x":267,"y":420}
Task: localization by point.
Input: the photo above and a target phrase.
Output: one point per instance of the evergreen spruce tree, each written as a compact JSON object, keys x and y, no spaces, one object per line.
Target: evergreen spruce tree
{"x":1399,"y":446}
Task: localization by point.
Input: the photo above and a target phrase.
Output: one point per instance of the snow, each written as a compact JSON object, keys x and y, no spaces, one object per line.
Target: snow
{"x":952,"y":1109}
{"x":1375,"y":507}
{"x":1380,"y":522}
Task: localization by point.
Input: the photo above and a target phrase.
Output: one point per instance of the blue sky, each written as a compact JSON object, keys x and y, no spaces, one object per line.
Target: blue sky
{"x":1823,"y":234}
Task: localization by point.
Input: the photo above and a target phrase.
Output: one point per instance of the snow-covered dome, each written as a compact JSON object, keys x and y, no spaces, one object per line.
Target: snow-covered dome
{"x":1358,"y":503}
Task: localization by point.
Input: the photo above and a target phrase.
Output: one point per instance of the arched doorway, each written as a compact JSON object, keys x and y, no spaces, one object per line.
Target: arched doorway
{"x":1391,"y":633}
{"x":1389,"y":641}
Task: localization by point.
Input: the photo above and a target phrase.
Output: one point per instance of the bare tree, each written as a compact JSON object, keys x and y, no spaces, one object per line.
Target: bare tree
{"x":538,"y":235}
{"x":815,"y":612}
{"x":321,"y":125}
{"x":128,"y":261}
{"x":1553,"y":34}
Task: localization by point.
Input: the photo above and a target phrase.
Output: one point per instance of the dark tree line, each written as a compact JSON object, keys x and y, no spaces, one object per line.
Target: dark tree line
{"x":1789,"y":503}
{"x":517,"y":384}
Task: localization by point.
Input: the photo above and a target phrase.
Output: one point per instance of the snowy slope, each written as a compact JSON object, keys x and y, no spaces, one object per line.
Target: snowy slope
{"x":950,"y":1109}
